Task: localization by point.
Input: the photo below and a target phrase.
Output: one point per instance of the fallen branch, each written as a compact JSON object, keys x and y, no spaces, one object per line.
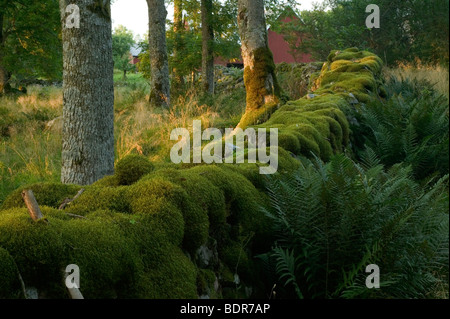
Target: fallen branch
{"x":68,"y":200}
{"x":32,"y":205}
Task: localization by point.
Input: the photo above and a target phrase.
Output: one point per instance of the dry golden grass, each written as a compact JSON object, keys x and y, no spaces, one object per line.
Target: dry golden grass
{"x":436,"y":75}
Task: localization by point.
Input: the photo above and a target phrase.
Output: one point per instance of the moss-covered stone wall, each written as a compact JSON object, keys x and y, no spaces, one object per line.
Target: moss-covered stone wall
{"x":176,"y":231}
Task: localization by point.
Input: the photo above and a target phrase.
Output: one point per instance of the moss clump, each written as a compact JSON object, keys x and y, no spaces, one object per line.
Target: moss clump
{"x":174,"y":277}
{"x":97,"y":198}
{"x":47,"y":194}
{"x":351,"y":71}
{"x":203,"y":208}
{"x":160,"y":204}
{"x":37,"y":248}
{"x":317,"y":124}
{"x":108,"y":260}
{"x":131,"y":168}
{"x":9,"y":282}
{"x":206,"y":281}
{"x":107,"y":181}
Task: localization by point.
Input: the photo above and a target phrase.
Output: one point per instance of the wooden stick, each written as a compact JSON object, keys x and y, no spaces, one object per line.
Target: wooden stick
{"x":22,"y":284}
{"x":68,"y":200}
{"x":32,"y":205}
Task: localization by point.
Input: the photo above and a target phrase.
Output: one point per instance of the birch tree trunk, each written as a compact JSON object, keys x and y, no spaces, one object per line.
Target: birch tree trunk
{"x":207,"y":47}
{"x":88,"y":93}
{"x":160,"y":84}
{"x":261,"y":84}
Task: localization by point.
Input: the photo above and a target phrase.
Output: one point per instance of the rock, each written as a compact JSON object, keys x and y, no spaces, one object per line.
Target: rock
{"x":353,"y":99}
{"x":207,"y":255}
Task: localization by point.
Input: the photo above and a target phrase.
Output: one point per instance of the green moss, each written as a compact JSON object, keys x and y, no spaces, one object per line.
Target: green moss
{"x":131,"y":168}
{"x":108,"y":260}
{"x":236,"y":256}
{"x":48,"y":194}
{"x":107,"y":181}
{"x":258,"y":109}
{"x":96,"y":198}
{"x":317,"y":124}
{"x":174,"y":277}
{"x":9,"y":282}
{"x":206,"y":279}
{"x":37,"y":248}
{"x":160,"y":202}
{"x":204,"y":208}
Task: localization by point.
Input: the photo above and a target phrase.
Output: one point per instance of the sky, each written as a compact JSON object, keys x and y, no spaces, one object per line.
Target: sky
{"x":133,"y":14}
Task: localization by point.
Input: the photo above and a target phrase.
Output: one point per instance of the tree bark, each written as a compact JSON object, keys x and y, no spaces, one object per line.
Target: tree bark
{"x":88,"y":94}
{"x":178,"y":45}
{"x":207,"y":47}
{"x":4,"y":74}
{"x":261,"y":84}
{"x":160,"y":84}
{"x":4,"y":78}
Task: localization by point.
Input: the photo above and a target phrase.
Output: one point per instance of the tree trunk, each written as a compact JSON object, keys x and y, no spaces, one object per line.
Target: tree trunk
{"x":4,"y":78}
{"x":88,"y":94}
{"x":259,"y":69}
{"x":207,"y":47}
{"x":160,"y":84}
{"x":178,"y":45}
{"x":4,"y":74}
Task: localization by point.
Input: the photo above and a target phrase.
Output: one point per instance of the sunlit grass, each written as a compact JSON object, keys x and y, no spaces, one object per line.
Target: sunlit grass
{"x":436,"y":75}
{"x":31,"y":152}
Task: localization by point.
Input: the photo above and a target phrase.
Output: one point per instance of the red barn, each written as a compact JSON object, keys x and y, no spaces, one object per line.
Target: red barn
{"x":281,"y":50}
{"x":278,"y":45}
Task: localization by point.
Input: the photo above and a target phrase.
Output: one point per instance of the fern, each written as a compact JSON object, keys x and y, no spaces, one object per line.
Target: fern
{"x":327,"y":215}
{"x":413,"y":130}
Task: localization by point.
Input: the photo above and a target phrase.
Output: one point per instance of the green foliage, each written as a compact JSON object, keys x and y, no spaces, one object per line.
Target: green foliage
{"x":131,"y":168}
{"x":425,"y":37}
{"x":122,"y":41}
{"x":334,"y":219}
{"x":411,"y":129}
{"x":29,"y":47}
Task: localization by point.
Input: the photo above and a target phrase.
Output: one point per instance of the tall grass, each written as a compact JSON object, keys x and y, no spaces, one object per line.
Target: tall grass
{"x":436,"y":75}
{"x":30,"y":150}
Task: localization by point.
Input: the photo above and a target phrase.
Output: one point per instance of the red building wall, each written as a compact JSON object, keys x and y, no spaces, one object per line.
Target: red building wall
{"x":280,"y":49}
